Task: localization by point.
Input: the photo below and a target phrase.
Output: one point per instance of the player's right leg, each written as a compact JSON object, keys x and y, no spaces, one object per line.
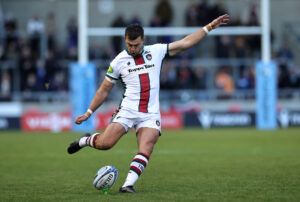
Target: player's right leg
{"x":104,"y":141}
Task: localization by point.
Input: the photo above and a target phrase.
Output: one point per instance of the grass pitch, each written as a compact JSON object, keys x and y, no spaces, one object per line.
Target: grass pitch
{"x":187,"y":165}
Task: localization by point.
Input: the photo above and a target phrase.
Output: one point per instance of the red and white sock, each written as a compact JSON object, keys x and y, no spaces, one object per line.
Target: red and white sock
{"x":137,"y":167}
{"x":88,"y":141}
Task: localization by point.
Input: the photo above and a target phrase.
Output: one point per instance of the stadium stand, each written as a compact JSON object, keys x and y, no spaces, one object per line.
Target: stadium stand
{"x":34,"y":62}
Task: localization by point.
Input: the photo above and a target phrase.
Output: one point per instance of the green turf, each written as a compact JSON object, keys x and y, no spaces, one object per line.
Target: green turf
{"x":187,"y":165}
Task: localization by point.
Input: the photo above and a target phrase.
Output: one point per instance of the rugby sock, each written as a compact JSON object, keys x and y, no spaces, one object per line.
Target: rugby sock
{"x":137,"y":167}
{"x":88,"y":140}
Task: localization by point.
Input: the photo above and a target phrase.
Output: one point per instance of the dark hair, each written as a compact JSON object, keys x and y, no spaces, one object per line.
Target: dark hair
{"x":133,"y":31}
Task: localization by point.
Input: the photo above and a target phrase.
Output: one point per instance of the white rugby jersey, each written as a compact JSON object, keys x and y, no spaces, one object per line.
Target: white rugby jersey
{"x":140,"y":77}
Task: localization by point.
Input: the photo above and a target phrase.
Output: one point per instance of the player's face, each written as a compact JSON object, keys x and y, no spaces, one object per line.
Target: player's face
{"x":135,"y":46}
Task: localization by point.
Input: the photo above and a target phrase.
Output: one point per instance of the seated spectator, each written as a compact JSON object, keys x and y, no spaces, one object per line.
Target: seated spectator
{"x":31,"y":84}
{"x":185,"y":76}
{"x":244,"y":80}
{"x":5,"y":86}
{"x":240,"y":48}
{"x":283,"y":76}
{"x":223,"y":46}
{"x":284,"y":53}
{"x":168,"y":76}
{"x":224,"y":81}
{"x":200,"y":80}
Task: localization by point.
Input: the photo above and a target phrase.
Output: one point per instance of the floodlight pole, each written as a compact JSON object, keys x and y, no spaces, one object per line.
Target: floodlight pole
{"x":83,"y":37}
{"x":265,"y":21}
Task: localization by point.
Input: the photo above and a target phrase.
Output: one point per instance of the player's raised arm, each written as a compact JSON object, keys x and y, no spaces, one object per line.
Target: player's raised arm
{"x":100,"y":96}
{"x":192,"y":39}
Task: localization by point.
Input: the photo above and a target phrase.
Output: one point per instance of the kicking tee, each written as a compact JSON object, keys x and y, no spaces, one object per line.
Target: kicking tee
{"x":140,"y":77}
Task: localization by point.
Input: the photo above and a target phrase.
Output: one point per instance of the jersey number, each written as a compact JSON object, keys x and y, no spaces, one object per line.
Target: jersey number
{"x":145,"y":92}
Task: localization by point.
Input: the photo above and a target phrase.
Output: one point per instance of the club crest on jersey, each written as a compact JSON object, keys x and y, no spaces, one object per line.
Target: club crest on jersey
{"x":110,"y":70}
{"x":149,"y":56}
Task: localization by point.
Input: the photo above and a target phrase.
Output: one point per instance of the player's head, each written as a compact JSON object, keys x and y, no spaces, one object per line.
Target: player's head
{"x":134,"y":39}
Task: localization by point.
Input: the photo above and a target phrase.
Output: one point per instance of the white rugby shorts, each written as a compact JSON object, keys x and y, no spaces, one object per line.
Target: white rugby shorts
{"x":129,"y":118}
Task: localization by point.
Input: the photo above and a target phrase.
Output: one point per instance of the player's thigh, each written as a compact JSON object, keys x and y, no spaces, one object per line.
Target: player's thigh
{"x":112,"y":134}
{"x":147,"y":137}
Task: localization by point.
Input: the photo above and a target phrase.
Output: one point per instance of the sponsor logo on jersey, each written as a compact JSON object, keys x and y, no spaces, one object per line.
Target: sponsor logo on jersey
{"x":110,"y":70}
{"x":149,"y":66}
{"x":140,"y":68}
{"x":149,"y":56}
{"x":135,"y":69}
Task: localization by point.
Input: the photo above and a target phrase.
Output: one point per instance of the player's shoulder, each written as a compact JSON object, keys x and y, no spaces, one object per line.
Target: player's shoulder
{"x":156,"y":46}
{"x":158,"y":49}
{"x":122,"y":56}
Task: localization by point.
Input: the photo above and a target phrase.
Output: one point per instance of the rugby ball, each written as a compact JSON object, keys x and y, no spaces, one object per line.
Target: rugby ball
{"x":105,"y":177}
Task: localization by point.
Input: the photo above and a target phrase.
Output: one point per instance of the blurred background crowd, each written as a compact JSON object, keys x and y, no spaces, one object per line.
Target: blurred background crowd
{"x":33,"y":60}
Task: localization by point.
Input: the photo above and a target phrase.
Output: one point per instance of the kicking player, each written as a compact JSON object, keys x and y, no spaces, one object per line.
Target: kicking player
{"x":138,"y":68}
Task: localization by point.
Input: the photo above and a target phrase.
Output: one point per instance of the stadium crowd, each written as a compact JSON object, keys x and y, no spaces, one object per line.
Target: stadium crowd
{"x":40,"y":60}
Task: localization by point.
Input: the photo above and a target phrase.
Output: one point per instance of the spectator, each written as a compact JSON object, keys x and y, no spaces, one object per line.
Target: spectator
{"x":35,"y":29}
{"x":254,"y":42}
{"x":203,"y":10}
{"x":51,"y":31}
{"x":284,"y":52}
{"x":240,"y":48}
{"x":72,"y":32}
{"x":283,"y":76}
{"x":116,"y":41}
{"x":5,"y":85}
{"x":164,"y":11}
{"x":10,"y":32}
{"x":163,"y":16}
{"x":294,"y":77}
{"x":223,"y":46}
{"x":217,"y":9}
{"x":185,"y":76}
{"x":60,"y":81}
{"x":26,"y":64}
{"x":41,"y":74}
{"x":168,"y":76}
{"x":200,"y":80}
{"x":11,"y":51}
{"x":135,"y":19}
{"x":245,"y":80}
{"x":191,"y":16}
{"x":224,"y":81}
{"x":31,"y":84}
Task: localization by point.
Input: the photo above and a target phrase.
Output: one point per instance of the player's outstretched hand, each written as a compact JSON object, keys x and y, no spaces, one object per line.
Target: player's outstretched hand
{"x":221,"y":20}
{"x":81,"y":118}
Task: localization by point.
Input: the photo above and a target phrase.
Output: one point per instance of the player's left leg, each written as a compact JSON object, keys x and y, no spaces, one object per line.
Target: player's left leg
{"x":146,"y":137}
{"x":104,"y":141}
